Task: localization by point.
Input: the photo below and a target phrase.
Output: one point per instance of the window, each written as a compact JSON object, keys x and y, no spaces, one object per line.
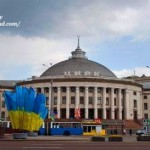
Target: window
{"x":98,"y":90}
{"x":55,"y":100}
{"x":3,"y":115}
{"x":145,"y":96}
{"x":115,"y":102}
{"x":145,"y":116}
{"x":81,"y":89}
{"x":99,"y":101}
{"x":107,"y":90}
{"x":134,"y":92}
{"x":3,"y":104}
{"x":81,"y":100}
{"x":47,"y":101}
{"x":64,"y":100}
{"x":55,"y":90}
{"x":72,"y":89}
{"x":135,"y":103}
{"x":38,"y":90}
{"x":72,"y":100}
{"x":115,"y":91}
{"x":46,"y":90}
{"x":90,"y":100}
{"x":145,"y":106}
{"x":107,"y":100}
{"x":63,"y":89}
{"x":91,"y":89}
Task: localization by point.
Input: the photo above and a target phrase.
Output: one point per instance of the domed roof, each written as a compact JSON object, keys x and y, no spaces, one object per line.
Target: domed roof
{"x":79,"y":66}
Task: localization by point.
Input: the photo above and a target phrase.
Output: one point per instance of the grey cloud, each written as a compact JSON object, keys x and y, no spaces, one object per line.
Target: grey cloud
{"x":51,"y":18}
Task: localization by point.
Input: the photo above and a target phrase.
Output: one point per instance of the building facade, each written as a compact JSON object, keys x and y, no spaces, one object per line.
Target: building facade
{"x":82,"y":83}
{"x":79,"y":83}
{"x":145,"y":81}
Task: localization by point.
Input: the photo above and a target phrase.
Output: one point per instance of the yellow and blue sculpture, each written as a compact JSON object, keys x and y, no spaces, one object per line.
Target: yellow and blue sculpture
{"x":26,"y":108}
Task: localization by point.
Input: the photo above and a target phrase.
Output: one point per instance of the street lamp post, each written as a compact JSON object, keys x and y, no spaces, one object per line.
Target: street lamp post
{"x":51,"y":97}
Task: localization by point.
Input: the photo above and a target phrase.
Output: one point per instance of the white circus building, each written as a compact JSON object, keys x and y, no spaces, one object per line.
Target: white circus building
{"x":81,"y":83}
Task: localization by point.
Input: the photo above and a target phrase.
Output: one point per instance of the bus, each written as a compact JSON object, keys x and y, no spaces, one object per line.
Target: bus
{"x":82,"y":127}
{"x":66,"y":128}
{"x":42,"y":130}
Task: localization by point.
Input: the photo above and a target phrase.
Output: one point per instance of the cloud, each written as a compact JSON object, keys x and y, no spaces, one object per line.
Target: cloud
{"x":63,"y":19}
{"x":138,"y":71}
{"x":26,"y":55}
{"x":48,"y":29}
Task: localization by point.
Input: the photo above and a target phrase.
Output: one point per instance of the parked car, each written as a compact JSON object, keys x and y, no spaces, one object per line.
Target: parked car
{"x":141,"y":131}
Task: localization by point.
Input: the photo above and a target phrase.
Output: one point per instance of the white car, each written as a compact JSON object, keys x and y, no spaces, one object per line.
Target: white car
{"x":141,"y":131}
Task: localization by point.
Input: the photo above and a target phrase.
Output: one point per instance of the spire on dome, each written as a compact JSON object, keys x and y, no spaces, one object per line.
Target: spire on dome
{"x":78,"y":53}
{"x":78,"y":36}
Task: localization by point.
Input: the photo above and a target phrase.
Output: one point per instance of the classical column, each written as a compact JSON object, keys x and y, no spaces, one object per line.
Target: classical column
{"x":104,"y":103}
{"x":139,"y":105}
{"x":95,"y":102}
{"x":119,"y":104}
{"x":67,"y":102}
{"x":112,"y":103}
{"x":50,"y":101}
{"x":86,"y":103}
{"x":77,"y":98}
{"x":126,"y":104}
{"x":58,"y":102}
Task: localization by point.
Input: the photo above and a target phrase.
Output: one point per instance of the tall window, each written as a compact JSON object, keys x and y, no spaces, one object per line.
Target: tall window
{"x":46,"y":90}
{"x":72,"y":100}
{"x":64,"y":100}
{"x":81,"y":100}
{"x":81,"y":89}
{"x":55,"y":90}
{"x":115,"y":102}
{"x":107,"y":100}
{"x":3,"y":104}
{"x":115,"y":91}
{"x":135,"y":103}
{"x":3,"y":115}
{"x":145,"y":116}
{"x":145,"y":96}
{"x":90,"y":100}
{"x":47,"y":100}
{"x":107,"y":90}
{"x":73,"y":89}
{"x":91,"y":89}
{"x":99,"y":90}
{"x":63,"y":89}
{"x":145,"y":106}
{"x":134,"y":92}
{"x":55,"y":100}
{"x":99,"y":101}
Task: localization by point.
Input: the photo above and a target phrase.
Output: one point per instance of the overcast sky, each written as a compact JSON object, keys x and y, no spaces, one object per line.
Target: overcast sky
{"x":114,"y":33}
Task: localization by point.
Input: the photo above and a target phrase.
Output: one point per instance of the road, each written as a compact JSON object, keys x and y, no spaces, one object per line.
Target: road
{"x":72,"y":145}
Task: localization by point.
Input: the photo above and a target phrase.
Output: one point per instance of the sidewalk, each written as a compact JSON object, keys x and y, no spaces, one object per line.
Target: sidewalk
{"x":50,"y":138}
{"x":8,"y":137}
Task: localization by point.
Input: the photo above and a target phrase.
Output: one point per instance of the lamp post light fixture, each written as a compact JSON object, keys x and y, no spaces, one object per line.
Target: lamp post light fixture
{"x":45,"y":65}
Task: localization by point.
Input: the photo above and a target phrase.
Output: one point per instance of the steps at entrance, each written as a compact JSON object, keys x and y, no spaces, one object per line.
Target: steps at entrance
{"x":128,"y":124}
{"x":131,"y":124}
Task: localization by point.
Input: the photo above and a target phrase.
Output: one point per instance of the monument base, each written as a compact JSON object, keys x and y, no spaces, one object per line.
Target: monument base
{"x":20,"y":135}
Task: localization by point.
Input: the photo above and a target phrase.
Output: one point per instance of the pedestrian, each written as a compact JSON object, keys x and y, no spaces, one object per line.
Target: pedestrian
{"x":124,"y":131}
{"x":130,"y":131}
